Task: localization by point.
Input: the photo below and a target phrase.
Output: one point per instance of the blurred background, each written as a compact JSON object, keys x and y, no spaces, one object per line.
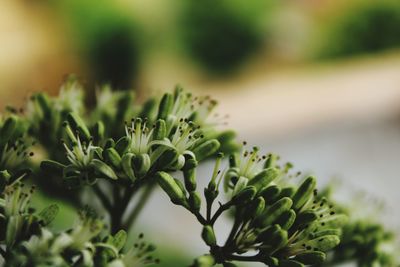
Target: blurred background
{"x":317,"y":82}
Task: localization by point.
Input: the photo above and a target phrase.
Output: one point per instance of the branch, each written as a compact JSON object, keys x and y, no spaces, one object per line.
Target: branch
{"x":103,"y":198}
{"x":3,"y":253}
{"x":139,"y":206}
{"x":199,"y":217}
{"x":243,"y":258}
{"x":220,"y":210}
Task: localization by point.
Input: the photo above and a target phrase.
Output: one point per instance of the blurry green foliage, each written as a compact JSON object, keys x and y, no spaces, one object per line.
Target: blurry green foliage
{"x":107,"y":37}
{"x":361,"y":27}
{"x":221,"y":34}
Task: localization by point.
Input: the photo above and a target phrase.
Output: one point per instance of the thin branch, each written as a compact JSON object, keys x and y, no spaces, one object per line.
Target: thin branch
{"x":220,"y":210}
{"x":244,"y":258}
{"x":103,"y":198}
{"x":232,"y":234}
{"x":139,"y":206}
{"x":200,"y":217}
{"x":3,"y":253}
{"x":209,"y":208}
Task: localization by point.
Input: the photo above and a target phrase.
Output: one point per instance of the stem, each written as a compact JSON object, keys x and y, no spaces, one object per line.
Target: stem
{"x":218,"y":213}
{"x":103,"y":198}
{"x":209,"y":207}
{"x":200,"y":217}
{"x":234,"y":229}
{"x":243,"y":258}
{"x":117,"y":210}
{"x":3,"y":253}
{"x":139,"y":206}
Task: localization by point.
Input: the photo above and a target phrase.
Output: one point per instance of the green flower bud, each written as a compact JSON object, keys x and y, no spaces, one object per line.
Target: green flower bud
{"x":104,"y":169}
{"x":287,"y":219}
{"x":180,"y":184}
{"x":167,"y":158}
{"x":311,"y":257}
{"x":190,"y":163}
{"x":264,"y":178}
{"x":271,"y":161}
{"x":324,"y":243}
{"x":194,"y":201}
{"x":208,"y":236}
{"x":7,"y":129}
{"x":336,"y":221}
{"x":273,"y":212}
{"x":142,"y":164}
{"x":165,"y":106}
{"x":210,"y":194}
{"x":204,"y":261}
{"x":112,"y":157}
{"x":98,"y":132}
{"x":110,"y":143}
{"x":122,"y":145}
{"x":226,"y":136}
{"x":267,"y":234}
{"x":206,"y":149}
{"x":170,"y":186}
{"x":160,"y":130}
{"x":244,"y":196}
{"x":4,"y":178}
{"x":287,"y":191}
{"x":179,"y":163}
{"x":256,"y":207}
{"x":127,"y":167}
{"x":45,"y":105}
{"x":278,"y":240}
{"x":190,"y":179}
{"x":78,"y":124}
{"x":325,"y":232}
{"x":119,"y":239}
{"x":270,"y":193}
{"x":303,"y":193}
{"x":305,"y":217}
{"x":123,"y":105}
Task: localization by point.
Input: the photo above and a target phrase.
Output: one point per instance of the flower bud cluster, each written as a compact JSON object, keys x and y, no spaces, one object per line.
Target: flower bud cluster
{"x":272,"y":225}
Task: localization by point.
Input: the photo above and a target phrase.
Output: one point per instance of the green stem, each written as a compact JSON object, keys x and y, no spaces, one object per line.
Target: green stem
{"x":209,"y":207}
{"x":103,"y":198}
{"x":139,"y":206}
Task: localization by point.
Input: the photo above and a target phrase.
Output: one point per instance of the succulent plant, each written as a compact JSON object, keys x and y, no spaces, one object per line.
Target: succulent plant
{"x":279,"y":219}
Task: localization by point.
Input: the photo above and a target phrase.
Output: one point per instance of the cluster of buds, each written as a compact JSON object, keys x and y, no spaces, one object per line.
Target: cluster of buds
{"x":83,"y":245}
{"x":144,"y":150}
{"x":18,"y":220}
{"x":273,"y":224}
{"x":364,"y":239}
{"x":14,"y":149}
{"x":46,"y":114}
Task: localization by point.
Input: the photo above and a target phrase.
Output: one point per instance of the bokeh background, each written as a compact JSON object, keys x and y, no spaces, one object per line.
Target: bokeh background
{"x":316,"y":81}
